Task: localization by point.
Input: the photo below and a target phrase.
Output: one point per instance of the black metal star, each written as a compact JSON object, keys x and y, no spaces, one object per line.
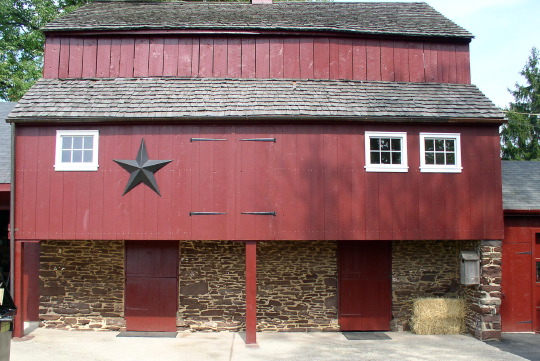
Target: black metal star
{"x":142,"y":170}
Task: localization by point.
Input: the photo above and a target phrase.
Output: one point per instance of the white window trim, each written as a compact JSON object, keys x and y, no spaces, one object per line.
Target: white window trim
{"x":439,"y":168}
{"x":61,"y":166}
{"x":403,"y":167}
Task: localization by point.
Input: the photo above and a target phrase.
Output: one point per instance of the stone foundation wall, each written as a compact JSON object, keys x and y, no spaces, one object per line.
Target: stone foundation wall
{"x":211,"y":285}
{"x":423,"y":269}
{"x":82,"y":285}
{"x":484,"y":300}
{"x":296,"y":286}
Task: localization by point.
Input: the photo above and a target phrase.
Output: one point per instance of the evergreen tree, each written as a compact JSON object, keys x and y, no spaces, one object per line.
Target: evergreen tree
{"x":520,"y":137}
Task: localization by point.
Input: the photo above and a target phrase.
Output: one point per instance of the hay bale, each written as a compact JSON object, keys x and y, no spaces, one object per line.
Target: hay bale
{"x":438,"y":316}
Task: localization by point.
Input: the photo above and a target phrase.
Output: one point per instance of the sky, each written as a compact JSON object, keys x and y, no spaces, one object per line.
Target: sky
{"x":505,"y":32}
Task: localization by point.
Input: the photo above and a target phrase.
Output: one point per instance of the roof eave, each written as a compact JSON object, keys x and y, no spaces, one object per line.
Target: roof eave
{"x":250,"y":118}
{"x":314,"y":31}
{"x":522,"y":212}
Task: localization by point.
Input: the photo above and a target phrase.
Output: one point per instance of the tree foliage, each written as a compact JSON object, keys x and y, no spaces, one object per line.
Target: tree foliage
{"x":520,"y":137}
{"x":21,"y":45}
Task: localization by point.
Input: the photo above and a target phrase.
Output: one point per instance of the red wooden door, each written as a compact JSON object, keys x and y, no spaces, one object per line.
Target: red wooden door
{"x":517,"y":303}
{"x":365,"y":270}
{"x":536,"y":281}
{"x":151,"y":294}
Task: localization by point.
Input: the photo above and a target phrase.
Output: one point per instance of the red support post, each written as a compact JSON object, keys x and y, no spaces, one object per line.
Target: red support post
{"x":18,"y":322}
{"x":251,"y":293}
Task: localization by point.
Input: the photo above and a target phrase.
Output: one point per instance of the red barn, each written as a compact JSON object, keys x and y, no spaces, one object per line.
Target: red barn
{"x":231,"y":166}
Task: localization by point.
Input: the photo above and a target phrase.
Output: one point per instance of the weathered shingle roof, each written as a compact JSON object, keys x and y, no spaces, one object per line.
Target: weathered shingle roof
{"x":521,"y":185}
{"x":410,"y":19}
{"x":5,"y":142}
{"x":222,"y":99}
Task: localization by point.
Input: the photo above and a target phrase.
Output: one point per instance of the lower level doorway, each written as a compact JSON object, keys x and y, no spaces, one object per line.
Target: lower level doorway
{"x":151,"y":289}
{"x":365,"y":270}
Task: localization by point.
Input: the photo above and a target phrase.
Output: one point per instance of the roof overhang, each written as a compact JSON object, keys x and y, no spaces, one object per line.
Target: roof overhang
{"x":247,"y":100}
{"x":252,"y":119}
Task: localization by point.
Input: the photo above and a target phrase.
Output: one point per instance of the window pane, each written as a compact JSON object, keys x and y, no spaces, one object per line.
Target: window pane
{"x":88,"y":142}
{"x":375,"y":158}
{"x":374,"y":144}
{"x":66,"y":156}
{"x":430,"y":158}
{"x":66,"y":142}
{"x":396,"y":158}
{"x":450,"y":159}
{"x":430,"y":144}
{"x":449,"y":145}
{"x":87,"y":156}
{"x":77,"y":142}
{"x":439,"y":158}
{"x":396,"y":144}
{"x":77,"y":156}
{"x":385,"y":143}
{"x":439,"y":144}
{"x":385,"y":158}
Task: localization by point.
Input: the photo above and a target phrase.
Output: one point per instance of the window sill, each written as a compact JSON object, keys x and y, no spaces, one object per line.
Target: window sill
{"x":386,"y":169}
{"x":76,"y":168}
{"x":441,"y":169}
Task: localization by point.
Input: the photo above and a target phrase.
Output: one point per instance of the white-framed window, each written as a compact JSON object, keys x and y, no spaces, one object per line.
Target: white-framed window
{"x":440,"y":152}
{"x":76,"y":150}
{"x":386,"y":152}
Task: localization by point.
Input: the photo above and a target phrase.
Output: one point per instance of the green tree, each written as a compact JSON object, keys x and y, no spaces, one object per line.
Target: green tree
{"x":520,"y":137}
{"x":21,"y":44}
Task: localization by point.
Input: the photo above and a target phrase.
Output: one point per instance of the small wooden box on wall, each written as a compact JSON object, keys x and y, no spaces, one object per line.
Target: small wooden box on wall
{"x":470,"y":268}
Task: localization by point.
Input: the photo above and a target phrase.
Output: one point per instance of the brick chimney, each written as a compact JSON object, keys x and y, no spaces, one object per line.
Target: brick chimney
{"x":261,"y":1}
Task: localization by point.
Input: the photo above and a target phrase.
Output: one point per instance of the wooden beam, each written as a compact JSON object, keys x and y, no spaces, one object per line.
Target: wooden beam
{"x":251,"y":293}
{"x":18,"y":322}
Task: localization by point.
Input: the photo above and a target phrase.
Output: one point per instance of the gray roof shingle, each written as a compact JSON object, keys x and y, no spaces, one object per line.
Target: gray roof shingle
{"x":5,"y":142}
{"x":521,"y":185}
{"x":213,"y":99}
{"x":408,"y":19}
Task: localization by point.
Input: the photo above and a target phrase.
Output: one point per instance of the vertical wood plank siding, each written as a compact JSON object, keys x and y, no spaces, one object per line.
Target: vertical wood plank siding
{"x":312,"y":176}
{"x":257,"y":57}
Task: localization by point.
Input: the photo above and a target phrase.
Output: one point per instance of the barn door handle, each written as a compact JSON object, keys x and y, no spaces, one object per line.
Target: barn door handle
{"x":261,"y":213}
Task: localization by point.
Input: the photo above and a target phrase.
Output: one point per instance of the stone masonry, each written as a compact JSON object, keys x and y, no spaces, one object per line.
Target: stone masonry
{"x":484,"y":300}
{"x":82,"y":285}
{"x":211,"y":285}
{"x":296,"y":286}
{"x":423,"y":269}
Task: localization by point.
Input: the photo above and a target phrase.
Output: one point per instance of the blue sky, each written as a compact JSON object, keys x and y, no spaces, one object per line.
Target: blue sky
{"x":505,"y":32}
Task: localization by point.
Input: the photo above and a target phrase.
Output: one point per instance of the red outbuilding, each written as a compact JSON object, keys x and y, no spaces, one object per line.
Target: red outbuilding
{"x":236,"y":166}
{"x":520,"y":308}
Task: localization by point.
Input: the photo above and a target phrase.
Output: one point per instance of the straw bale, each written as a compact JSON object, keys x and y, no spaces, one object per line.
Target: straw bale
{"x":438,"y":316}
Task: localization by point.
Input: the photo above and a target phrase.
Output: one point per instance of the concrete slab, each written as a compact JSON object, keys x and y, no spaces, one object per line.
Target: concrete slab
{"x":57,"y":345}
{"x":526,"y":345}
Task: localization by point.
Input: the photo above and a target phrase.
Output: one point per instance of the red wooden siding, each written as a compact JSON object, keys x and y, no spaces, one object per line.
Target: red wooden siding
{"x":257,"y":57}
{"x":313,"y":177}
